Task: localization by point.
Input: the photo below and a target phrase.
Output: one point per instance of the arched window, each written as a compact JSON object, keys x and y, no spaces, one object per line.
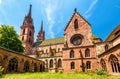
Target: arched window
{"x":30,"y":33}
{"x":51,"y":63}
{"x":26,"y":66}
{"x":88,"y":65}
{"x":29,"y":40}
{"x":41,"y":68}
{"x":58,"y":49}
{"x":46,"y":50}
{"x":71,"y":54}
{"x":23,"y":31}
{"x":23,"y":38}
{"x":114,"y":63}
{"x":59,"y":63}
{"x":76,"y":24}
{"x":35,"y":67}
{"x":106,"y":47}
{"x":72,"y":65}
{"x":13,"y":65}
{"x":87,"y":53}
{"x":103,"y":64}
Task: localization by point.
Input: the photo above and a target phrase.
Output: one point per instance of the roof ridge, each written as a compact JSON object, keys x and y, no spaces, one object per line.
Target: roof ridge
{"x":19,"y":53}
{"x":54,"y":38}
{"x":118,"y":26}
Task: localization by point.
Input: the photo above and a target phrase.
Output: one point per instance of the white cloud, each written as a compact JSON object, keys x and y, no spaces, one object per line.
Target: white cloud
{"x":0,"y":2}
{"x":88,"y":12}
{"x":50,"y":10}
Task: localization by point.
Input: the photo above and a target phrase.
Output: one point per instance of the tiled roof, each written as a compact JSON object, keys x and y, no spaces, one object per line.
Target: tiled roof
{"x":18,"y":53}
{"x":50,"y":42}
{"x":115,"y":33}
{"x":109,"y":50}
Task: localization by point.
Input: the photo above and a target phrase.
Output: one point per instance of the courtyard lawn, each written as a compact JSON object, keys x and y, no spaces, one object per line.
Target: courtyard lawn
{"x":56,"y":76}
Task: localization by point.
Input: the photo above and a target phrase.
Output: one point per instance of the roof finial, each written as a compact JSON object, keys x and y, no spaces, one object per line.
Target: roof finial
{"x":30,"y":10}
{"x":75,"y":10}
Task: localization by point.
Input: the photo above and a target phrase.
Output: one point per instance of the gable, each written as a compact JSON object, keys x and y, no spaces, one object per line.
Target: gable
{"x":80,"y":19}
{"x":78,"y":29}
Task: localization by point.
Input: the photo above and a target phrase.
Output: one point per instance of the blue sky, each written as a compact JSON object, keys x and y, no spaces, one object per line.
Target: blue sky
{"x":103,"y":15}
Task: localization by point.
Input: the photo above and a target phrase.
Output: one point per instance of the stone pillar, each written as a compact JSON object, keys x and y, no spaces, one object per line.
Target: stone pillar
{"x":46,"y":65}
{"x":55,"y":65}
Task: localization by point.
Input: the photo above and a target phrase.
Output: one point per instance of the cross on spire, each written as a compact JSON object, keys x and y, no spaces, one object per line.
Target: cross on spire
{"x":75,"y":10}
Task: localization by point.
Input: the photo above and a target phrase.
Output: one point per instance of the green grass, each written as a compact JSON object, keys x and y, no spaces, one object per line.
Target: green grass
{"x":56,"y":76}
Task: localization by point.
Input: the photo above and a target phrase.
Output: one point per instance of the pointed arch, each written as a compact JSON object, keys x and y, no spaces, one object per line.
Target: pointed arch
{"x":88,"y":65}
{"x":35,"y":67}
{"x":30,"y":33}
{"x":106,"y":47}
{"x":71,"y":54}
{"x":72,"y":65}
{"x":103,"y":64}
{"x":114,"y":63}
{"x":23,"y":31}
{"x":87,"y":52}
{"x":13,"y":65}
{"x":41,"y":68}
{"x":76,"y":24}
{"x":51,"y":63}
{"x":59,"y":63}
{"x":26,"y":66}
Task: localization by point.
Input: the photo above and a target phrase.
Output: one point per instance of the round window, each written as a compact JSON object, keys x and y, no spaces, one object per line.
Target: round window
{"x":76,"y":40}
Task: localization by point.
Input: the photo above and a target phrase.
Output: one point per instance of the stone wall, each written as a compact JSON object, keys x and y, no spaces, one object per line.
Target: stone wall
{"x":6,"y":57}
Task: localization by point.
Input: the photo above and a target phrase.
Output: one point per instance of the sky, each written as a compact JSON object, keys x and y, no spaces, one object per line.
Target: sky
{"x":103,"y":15}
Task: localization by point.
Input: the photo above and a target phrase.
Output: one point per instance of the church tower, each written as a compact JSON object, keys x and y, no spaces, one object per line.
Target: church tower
{"x":41,"y":34}
{"x":27,"y":32}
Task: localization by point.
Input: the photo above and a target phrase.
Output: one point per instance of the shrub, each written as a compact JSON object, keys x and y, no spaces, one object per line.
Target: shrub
{"x":61,"y":71}
{"x":90,"y":72}
{"x":1,"y":70}
{"x":101,"y":72}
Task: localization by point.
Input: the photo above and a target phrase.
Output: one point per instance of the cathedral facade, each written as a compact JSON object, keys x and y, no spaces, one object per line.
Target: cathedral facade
{"x":78,"y":50}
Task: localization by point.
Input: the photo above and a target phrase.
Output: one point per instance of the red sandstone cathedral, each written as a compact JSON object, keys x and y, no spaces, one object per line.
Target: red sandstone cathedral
{"x":78,"y":50}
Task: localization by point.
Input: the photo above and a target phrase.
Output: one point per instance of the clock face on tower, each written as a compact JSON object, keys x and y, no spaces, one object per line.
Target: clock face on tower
{"x":76,"y":40}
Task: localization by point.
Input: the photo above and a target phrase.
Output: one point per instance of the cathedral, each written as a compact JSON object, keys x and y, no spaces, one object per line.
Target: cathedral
{"x":79,"y":50}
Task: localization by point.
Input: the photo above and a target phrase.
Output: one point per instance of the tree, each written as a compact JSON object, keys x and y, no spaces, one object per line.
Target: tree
{"x":10,"y":39}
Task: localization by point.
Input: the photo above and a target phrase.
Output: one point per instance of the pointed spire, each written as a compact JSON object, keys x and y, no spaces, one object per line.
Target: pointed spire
{"x":30,"y":10}
{"x":41,"y":30}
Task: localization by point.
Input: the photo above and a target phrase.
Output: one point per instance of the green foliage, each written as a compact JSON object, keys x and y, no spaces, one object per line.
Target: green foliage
{"x":1,"y":70}
{"x":56,"y":76}
{"x":90,"y":72}
{"x":94,"y":36}
{"x":60,"y":71}
{"x":101,"y":72}
{"x":10,"y":39}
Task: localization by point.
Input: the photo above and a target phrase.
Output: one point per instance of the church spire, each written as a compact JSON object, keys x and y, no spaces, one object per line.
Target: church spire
{"x":27,"y":32}
{"x":41,"y":34}
{"x":41,"y":30}
{"x":29,"y":14}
